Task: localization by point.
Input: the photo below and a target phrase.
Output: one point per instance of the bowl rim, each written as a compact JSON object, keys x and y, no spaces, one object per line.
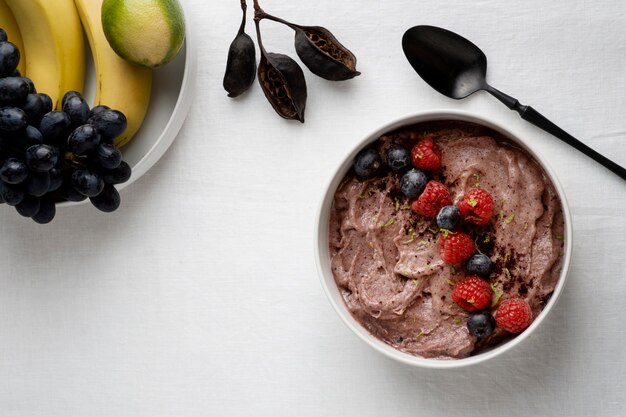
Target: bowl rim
{"x":176,"y":120}
{"x":322,"y":258}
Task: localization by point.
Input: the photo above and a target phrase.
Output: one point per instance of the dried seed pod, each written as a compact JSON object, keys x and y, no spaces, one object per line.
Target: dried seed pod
{"x":282,"y":81}
{"x":323,"y":54}
{"x":241,"y":63}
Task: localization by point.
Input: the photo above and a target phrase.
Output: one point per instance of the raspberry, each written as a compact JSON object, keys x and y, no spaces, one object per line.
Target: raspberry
{"x":455,"y":247}
{"x":472,"y":293}
{"x":426,"y":155}
{"x":433,"y":198}
{"x":513,"y":315}
{"x":476,"y":206}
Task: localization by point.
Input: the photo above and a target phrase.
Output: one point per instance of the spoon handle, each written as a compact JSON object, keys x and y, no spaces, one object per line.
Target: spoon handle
{"x":533,"y":116}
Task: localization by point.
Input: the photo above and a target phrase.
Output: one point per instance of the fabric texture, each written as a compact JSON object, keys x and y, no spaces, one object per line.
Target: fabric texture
{"x":200,"y":296}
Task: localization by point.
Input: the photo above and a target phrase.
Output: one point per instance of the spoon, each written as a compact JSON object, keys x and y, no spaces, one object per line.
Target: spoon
{"x":456,"y":68}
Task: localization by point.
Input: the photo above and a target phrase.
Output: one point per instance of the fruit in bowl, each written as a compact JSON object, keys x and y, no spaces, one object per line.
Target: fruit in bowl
{"x":454,"y":256}
{"x":55,"y":148}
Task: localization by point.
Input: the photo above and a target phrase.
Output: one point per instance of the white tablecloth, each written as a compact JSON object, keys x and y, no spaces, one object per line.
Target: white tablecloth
{"x":199,"y":297}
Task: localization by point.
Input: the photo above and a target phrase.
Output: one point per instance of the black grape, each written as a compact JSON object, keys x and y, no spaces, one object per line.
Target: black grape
{"x":108,"y":200}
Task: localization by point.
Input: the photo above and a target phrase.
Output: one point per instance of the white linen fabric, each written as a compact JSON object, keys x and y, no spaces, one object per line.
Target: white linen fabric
{"x":199,"y":296}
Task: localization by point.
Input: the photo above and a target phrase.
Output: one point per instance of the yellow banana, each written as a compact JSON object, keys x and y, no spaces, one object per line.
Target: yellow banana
{"x":8,"y":23}
{"x":119,"y":84}
{"x":53,"y":45}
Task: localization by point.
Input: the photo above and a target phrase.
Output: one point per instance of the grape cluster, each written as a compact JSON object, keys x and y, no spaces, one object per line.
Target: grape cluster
{"x":49,"y":156}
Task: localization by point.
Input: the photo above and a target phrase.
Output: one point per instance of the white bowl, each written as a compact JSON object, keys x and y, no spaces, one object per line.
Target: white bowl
{"x":173,"y":87}
{"x":323,"y":258}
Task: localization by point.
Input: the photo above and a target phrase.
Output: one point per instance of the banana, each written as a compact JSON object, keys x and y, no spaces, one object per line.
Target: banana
{"x":8,"y":23}
{"x":119,"y":84}
{"x":53,"y":45}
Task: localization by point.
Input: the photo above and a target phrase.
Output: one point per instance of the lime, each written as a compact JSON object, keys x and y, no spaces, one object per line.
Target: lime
{"x":149,"y":33}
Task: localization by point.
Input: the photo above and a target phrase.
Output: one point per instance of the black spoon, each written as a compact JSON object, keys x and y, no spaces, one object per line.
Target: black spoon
{"x":456,"y":68}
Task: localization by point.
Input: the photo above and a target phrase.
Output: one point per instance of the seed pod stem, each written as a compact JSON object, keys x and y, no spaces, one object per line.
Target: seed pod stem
{"x":244,"y":7}
{"x":318,"y":49}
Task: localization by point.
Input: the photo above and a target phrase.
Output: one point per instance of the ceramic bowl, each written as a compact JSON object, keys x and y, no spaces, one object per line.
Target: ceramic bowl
{"x":323,"y":257}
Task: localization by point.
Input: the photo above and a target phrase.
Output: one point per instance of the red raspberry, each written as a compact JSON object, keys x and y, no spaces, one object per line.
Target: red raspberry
{"x":426,"y":155}
{"x":476,"y":206}
{"x":513,"y":315}
{"x":472,"y":293}
{"x":433,"y":198}
{"x":455,"y":247}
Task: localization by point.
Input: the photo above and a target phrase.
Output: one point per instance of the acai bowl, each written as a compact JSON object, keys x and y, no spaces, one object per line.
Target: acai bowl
{"x":448,"y":242}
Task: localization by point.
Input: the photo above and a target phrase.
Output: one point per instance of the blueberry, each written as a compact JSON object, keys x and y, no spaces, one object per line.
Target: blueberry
{"x":367,"y":163}
{"x":448,"y":217}
{"x":412,"y":183}
{"x":398,"y":157}
{"x":480,"y":265}
{"x":481,"y":324}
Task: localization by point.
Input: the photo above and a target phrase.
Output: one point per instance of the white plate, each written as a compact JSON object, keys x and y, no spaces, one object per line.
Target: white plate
{"x":172,"y":94}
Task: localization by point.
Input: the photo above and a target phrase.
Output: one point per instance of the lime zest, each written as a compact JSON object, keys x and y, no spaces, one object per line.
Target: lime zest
{"x":388,"y":223}
{"x":507,"y":273}
{"x":497,"y":294}
{"x":506,"y":257}
{"x":411,"y":236}
{"x":477,"y":183}
{"x":510,"y":218}
{"x":472,"y":201}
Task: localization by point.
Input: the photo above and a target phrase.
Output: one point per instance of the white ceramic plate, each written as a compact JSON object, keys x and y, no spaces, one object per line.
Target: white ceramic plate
{"x":172,"y":94}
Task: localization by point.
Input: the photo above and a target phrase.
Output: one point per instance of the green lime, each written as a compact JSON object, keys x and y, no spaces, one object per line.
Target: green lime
{"x":149,"y":33}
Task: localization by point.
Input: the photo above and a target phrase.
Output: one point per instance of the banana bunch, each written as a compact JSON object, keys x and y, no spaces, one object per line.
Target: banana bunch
{"x":49,"y":35}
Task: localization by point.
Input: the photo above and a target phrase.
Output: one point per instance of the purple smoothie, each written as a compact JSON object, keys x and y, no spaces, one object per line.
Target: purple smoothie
{"x":385,"y":257}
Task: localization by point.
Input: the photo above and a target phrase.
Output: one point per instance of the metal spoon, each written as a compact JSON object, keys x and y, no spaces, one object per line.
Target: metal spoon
{"x":456,"y":68}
